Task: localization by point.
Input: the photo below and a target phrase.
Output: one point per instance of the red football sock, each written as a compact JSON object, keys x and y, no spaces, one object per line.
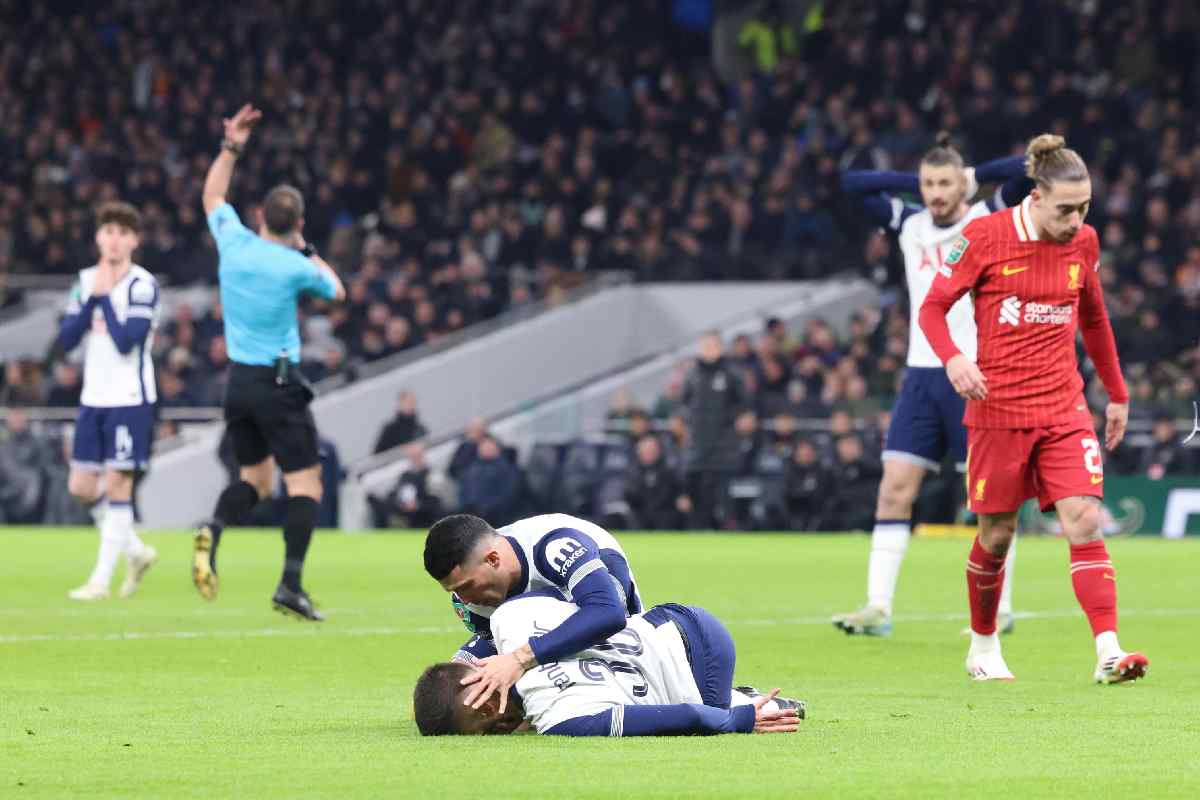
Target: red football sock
{"x":1095,"y":583}
{"x":985,"y":577}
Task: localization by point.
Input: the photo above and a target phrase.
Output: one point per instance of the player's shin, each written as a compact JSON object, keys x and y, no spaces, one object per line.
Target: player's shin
{"x":889,"y":541}
{"x":985,"y":576}
{"x":1095,"y":584}
{"x":297,"y":534}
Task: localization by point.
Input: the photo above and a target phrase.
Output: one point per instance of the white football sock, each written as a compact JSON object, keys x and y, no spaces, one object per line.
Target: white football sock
{"x":113,"y":535}
{"x":1107,"y":645}
{"x":889,"y":541}
{"x":122,"y":517}
{"x":1006,"y":590}
{"x":98,"y":509}
{"x":982,"y":643}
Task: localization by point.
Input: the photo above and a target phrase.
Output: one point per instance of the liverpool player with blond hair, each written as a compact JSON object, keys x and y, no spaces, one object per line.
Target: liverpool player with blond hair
{"x":1032,"y":271}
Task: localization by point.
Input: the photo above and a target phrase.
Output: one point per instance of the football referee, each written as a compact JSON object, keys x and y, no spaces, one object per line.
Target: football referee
{"x":266,"y":402}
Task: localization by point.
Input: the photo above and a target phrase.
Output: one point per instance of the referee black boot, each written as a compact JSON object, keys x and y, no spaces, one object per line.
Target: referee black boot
{"x":295,"y":604}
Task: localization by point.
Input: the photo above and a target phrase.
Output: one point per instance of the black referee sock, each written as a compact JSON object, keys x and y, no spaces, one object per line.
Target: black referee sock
{"x":297,"y":534}
{"x":235,"y":502}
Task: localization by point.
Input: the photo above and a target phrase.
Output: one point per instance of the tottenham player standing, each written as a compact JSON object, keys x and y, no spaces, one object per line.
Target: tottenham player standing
{"x":113,"y":309}
{"x":482,"y":567}
{"x":1033,"y":272}
{"x":927,"y":418}
{"x":668,"y":672}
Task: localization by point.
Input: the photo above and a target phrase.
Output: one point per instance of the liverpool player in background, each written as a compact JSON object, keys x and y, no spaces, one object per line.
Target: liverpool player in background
{"x":1032,"y":271}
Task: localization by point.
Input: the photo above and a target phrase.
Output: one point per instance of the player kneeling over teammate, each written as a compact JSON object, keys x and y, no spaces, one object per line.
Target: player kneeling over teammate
{"x":482,"y":567}
{"x":668,"y":673}
{"x":1033,"y":272}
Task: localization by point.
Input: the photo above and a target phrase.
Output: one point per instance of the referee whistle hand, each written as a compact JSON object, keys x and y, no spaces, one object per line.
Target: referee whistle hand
{"x":238,"y":127}
{"x":966,"y":378}
{"x":1117,"y":415}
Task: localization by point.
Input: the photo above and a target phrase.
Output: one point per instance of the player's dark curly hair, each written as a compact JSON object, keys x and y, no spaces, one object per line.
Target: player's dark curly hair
{"x":435,"y":698}
{"x":117,"y":213}
{"x":942,"y":153}
{"x":451,"y":540}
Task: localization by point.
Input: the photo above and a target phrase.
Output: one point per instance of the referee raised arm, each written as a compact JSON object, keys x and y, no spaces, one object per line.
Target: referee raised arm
{"x":266,"y":403}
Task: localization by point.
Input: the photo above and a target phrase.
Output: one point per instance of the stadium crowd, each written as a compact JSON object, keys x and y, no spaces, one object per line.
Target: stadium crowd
{"x":462,"y":158}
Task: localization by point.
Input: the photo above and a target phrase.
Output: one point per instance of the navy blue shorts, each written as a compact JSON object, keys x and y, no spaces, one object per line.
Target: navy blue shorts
{"x":709,"y":647}
{"x":927,"y":421}
{"x":117,"y":438}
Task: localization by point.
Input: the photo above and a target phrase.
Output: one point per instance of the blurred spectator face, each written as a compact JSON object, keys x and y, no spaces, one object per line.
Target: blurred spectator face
{"x":476,"y":428}
{"x":18,"y":420}
{"x":849,"y":449}
{"x":805,"y":453}
{"x":116,"y":243}
{"x":397,"y":332}
{"x":333,"y":359}
{"x":678,"y":428}
{"x":377,"y":315}
{"x":649,"y":451}
{"x":407,"y":403}
{"x":217,"y":353}
{"x":66,"y":374}
{"x":639,"y":425}
{"x":741,"y":349}
{"x":1164,"y":430}
{"x":943,"y":189}
{"x":415,"y":453}
{"x":488,"y":449}
{"x":785,"y":426}
{"x":746,"y":424}
{"x":425,"y":314}
{"x":856,"y":388}
{"x":710,"y":348}
{"x":621,"y":402}
{"x":169,"y":384}
{"x":772,"y":370}
{"x":840,"y":423}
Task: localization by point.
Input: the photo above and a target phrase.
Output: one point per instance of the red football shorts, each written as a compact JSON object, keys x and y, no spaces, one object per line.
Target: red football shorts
{"x":1005,"y":467}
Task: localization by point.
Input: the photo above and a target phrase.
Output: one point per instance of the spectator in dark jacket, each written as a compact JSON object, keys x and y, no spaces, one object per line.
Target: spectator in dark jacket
{"x":411,"y":503}
{"x":714,"y":397}
{"x":856,"y":481}
{"x":654,"y":492}
{"x":64,"y":392}
{"x":404,"y":427}
{"x":1166,"y":456}
{"x":23,"y":460}
{"x":808,"y":486}
{"x":491,"y":485}
{"x":468,"y":449}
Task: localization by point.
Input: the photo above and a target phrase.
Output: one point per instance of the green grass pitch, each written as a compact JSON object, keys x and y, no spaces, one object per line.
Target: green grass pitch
{"x":164,"y":695}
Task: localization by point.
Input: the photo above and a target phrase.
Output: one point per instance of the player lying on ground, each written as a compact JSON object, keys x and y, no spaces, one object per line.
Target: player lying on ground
{"x":668,"y":673}
{"x":927,"y":418}
{"x":112,"y":310}
{"x":1033,"y":272}
{"x":482,"y":567}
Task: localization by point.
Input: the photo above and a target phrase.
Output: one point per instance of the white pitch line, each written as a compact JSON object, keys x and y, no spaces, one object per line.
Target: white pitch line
{"x":297,"y":630}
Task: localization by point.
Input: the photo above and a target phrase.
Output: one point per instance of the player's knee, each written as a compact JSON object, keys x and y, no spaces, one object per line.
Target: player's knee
{"x":895,"y":499}
{"x":305,"y":483}
{"x":1084,"y":524}
{"x":83,"y":486}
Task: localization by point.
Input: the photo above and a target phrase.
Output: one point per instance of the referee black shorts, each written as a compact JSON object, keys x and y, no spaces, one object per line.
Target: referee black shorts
{"x":268,"y":418}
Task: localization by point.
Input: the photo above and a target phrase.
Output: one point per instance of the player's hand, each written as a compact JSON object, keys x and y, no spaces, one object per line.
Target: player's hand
{"x":777,"y":721}
{"x":238,"y":127}
{"x":495,"y":674}
{"x":103,"y":281}
{"x":1118,"y":417}
{"x":966,"y":378}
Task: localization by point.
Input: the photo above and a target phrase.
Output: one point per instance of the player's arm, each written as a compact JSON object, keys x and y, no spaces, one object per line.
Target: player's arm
{"x":316,"y":276}
{"x":684,"y":719}
{"x":876,"y":189}
{"x":237,"y":133}
{"x":76,"y":320}
{"x":1101,"y":347}
{"x":143,"y":297}
{"x":1010,"y":174}
{"x":954,"y":279}
{"x":570,"y":559}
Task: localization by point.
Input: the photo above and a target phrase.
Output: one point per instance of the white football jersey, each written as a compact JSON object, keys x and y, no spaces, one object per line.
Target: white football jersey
{"x":559,"y":550}
{"x":641,"y":665}
{"x":926,"y":247}
{"x":112,"y":379}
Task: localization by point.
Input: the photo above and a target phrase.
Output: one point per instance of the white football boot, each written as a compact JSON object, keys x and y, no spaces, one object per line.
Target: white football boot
{"x":89,"y":592}
{"x":1121,"y":667}
{"x":136,"y":568}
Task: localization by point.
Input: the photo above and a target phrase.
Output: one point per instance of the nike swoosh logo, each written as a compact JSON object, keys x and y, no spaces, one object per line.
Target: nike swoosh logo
{"x":1097,"y":479}
{"x":1110,"y":576}
{"x":989,"y":587}
{"x":1012,"y":270}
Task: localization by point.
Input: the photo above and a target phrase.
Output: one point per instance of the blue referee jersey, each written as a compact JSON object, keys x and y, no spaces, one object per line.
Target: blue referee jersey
{"x":260,"y":283}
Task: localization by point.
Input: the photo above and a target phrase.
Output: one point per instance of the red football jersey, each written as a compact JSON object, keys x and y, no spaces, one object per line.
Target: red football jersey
{"x":1030,"y":297}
